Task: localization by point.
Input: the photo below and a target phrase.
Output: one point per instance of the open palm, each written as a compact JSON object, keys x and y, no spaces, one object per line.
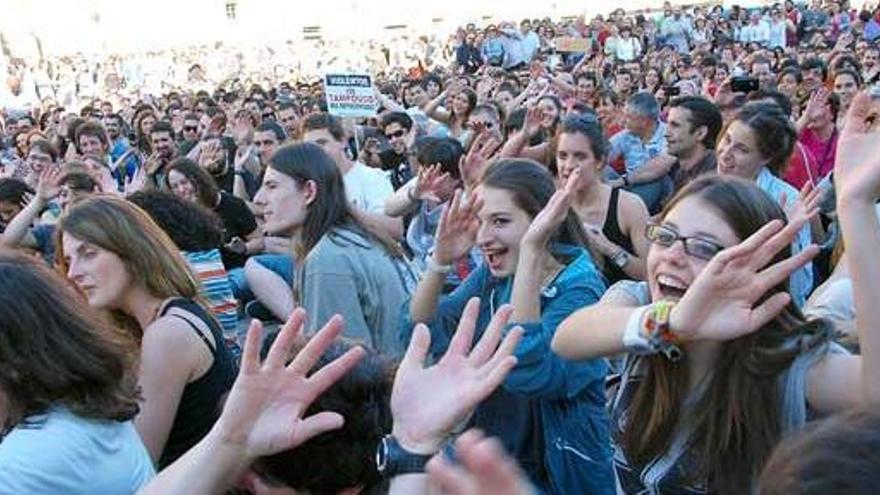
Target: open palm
{"x":722,"y":303}
{"x":457,"y":230}
{"x":857,"y":165}
{"x":264,"y":412}
{"x":428,"y":402}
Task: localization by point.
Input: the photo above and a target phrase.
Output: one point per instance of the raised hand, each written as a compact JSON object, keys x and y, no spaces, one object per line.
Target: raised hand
{"x":806,"y":205}
{"x":49,"y":184}
{"x":550,"y":217}
{"x":721,"y":303}
{"x":457,"y":230}
{"x":533,"y":120}
{"x":816,"y":104}
{"x":428,"y":403}
{"x":483,"y":148}
{"x":264,"y":412}
{"x":209,"y":153}
{"x":429,"y":181}
{"x":136,"y":182}
{"x":857,"y":165}
{"x":484,"y":469}
{"x":153,"y":163}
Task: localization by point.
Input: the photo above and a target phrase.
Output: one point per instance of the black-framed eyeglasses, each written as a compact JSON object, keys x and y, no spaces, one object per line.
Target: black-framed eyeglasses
{"x":694,"y":246}
{"x":396,"y":134}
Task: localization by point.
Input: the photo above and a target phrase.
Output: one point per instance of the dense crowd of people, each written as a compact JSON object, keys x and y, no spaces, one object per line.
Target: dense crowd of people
{"x":631,"y":254}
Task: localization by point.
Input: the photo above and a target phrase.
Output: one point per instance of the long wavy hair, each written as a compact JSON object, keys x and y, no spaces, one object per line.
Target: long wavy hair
{"x":150,"y":256}
{"x":56,"y":351}
{"x":737,"y":421}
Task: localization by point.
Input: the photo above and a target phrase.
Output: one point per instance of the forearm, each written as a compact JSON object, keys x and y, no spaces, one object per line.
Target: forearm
{"x":401,"y":202}
{"x":424,"y":302}
{"x":211,"y":466}
{"x":410,"y":484}
{"x":239,"y":189}
{"x":514,"y":145}
{"x":651,"y":171}
{"x":393,"y":227}
{"x":527,"y":286}
{"x":593,"y":332}
{"x":861,"y":233}
{"x":19,"y":227}
{"x":432,"y":106}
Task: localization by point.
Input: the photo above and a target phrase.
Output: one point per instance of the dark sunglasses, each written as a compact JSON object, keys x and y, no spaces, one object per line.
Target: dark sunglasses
{"x":190,"y":128}
{"x":395,"y":134}
{"x":694,"y":246}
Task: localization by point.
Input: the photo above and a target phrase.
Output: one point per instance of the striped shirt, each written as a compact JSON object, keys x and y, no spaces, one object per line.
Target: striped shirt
{"x":215,"y":289}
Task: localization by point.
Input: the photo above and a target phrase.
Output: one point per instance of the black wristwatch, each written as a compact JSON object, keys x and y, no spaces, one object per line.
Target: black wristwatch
{"x":393,"y":460}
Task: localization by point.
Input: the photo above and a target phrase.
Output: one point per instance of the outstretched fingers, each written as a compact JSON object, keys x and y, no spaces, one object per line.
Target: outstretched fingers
{"x":315,"y":347}
{"x":857,"y":120}
{"x":250,"y":357}
{"x":747,"y":248}
{"x":279,"y":353}
{"x":464,"y":335}
{"x":419,"y":343}
{"x":779,"y":272}
{"x":487,"y":345}
{"x":767,"y":310}
{"x":330,"y":373}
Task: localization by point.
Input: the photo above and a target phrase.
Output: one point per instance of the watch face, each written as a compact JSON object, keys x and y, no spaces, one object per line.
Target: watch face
{"x":382,"y":455}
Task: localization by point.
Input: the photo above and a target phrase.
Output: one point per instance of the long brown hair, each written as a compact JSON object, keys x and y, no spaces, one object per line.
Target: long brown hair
{"x":531,"y":185}
{"x":737,"y":421}
{"x":56,"y":351}
{"x":309,"y":162}
{"x":150,"y":256}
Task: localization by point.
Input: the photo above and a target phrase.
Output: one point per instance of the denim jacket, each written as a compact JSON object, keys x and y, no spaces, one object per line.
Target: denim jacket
{"x":549,"y":413}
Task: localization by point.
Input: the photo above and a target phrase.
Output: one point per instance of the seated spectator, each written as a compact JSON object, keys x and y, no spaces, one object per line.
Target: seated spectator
{"x":125,"y":265}
{"x":69,"y":389}
{"x":343,"y":265}
{"x":198,"y":235}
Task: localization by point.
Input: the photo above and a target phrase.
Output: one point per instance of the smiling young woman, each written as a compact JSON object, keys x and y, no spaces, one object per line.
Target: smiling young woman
{"x":732,"y":354}
{"x":535,"y":258}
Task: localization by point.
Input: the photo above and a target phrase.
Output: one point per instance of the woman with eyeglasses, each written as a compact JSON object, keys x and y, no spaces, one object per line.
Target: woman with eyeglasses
{"x":720,"y":363}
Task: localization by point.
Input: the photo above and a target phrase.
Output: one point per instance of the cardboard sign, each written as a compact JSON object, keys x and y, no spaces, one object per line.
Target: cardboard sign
{"x":572,"y":44}
{"x":350,"y":95}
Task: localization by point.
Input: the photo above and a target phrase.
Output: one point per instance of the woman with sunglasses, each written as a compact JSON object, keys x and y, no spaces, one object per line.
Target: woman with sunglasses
{"x":720,"y":364}
{"x":550,"y":413}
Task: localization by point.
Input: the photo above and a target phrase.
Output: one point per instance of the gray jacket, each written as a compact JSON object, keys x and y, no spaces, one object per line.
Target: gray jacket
{"x":347,"y":273}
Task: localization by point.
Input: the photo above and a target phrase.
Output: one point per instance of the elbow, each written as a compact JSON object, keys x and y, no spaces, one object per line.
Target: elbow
{"x":560,"y":338}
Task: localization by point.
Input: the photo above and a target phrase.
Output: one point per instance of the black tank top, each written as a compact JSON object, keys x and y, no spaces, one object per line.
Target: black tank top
{"x":199,"y":405}
{"x":615,"y":234}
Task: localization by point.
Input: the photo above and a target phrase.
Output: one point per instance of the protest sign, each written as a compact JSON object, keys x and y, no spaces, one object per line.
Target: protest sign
{"x":350,"y":95}
{"x":572,"y":44}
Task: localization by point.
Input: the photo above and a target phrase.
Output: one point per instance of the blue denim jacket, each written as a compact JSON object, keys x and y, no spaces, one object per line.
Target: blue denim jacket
{"x":549,"y":413}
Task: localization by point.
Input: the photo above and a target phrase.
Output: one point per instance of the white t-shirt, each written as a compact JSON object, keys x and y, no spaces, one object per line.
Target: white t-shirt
{"x":64,"y":453}
{"x":367,"y":188}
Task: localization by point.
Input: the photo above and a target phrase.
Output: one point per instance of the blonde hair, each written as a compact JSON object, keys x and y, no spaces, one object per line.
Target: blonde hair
{"x":151,"y":258}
